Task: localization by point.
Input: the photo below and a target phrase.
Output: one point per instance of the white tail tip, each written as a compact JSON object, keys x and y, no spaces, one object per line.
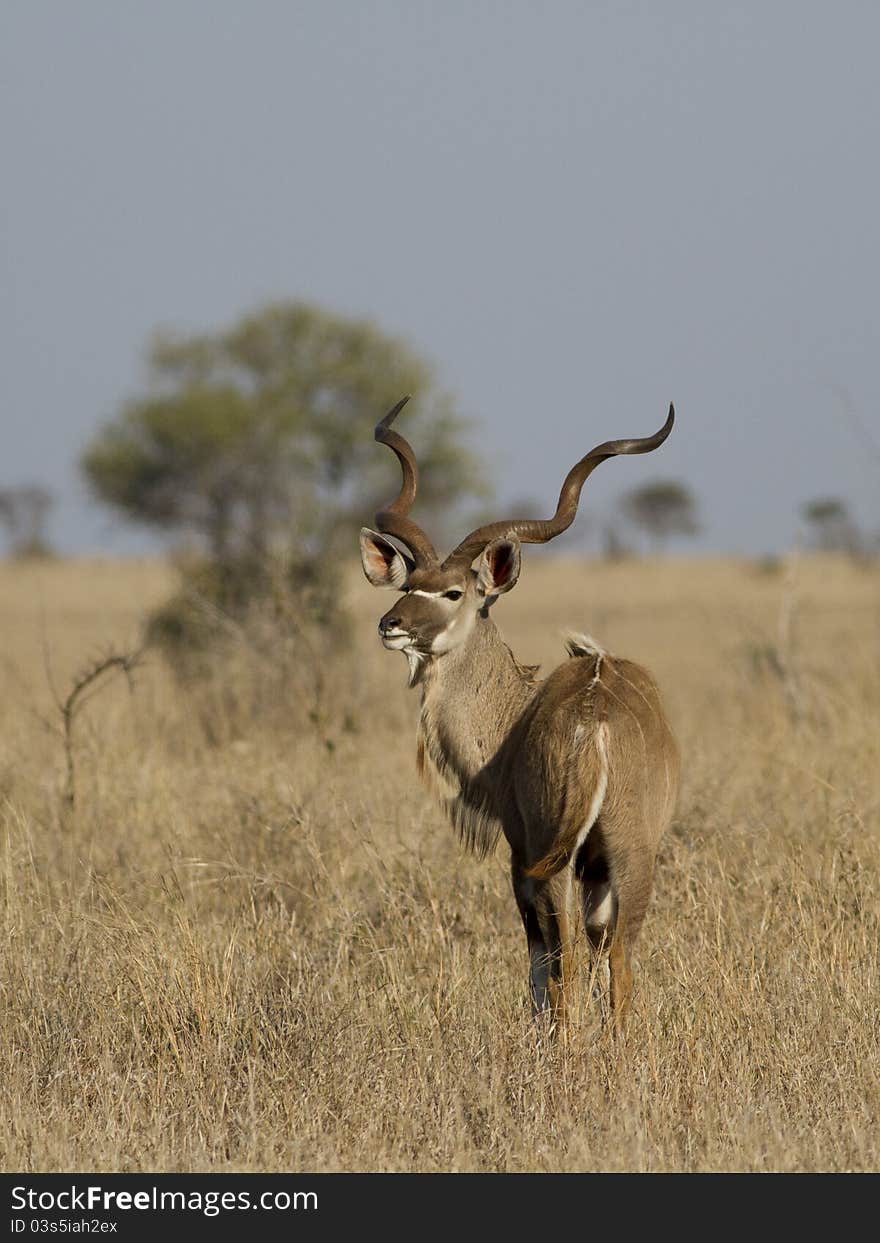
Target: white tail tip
{"x":582,"y":645}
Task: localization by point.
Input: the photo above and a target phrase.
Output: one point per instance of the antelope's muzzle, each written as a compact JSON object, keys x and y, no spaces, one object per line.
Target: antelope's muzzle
{"x":392,"y":634}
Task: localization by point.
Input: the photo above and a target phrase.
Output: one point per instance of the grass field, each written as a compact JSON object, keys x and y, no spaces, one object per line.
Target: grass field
{"x":255,"y":944}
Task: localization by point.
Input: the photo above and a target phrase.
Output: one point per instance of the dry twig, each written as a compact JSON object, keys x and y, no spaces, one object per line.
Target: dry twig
{"x":90,"y":679}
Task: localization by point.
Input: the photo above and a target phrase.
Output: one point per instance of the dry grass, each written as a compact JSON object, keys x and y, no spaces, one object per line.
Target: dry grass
{"x":258,"y":952}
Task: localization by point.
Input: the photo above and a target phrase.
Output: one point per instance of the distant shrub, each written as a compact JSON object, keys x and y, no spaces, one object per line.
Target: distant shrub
{"x":770,"y":565}
{"x":247,"y":637}
{"x":24,"y":513}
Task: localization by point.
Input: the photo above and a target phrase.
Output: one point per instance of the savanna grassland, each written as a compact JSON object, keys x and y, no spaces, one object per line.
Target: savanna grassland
{"x":253,"y":942}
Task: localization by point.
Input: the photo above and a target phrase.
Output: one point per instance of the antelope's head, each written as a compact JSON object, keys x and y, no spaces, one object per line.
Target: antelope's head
{"x":442,"y":600}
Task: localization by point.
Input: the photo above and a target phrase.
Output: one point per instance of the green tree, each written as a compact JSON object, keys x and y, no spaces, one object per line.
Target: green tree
{"x":661,"y":508}
{"x":831,"y":527}
{"x":259,"y":436}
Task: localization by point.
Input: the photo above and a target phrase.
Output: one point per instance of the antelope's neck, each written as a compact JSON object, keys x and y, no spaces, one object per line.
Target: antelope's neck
{"x":471,"y":698}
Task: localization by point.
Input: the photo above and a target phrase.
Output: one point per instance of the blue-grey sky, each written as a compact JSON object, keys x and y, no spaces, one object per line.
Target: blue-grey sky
{"x":577,"y":210}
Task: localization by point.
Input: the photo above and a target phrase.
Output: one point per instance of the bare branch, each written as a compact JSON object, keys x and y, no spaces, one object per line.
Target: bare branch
{"x":90,"y":679}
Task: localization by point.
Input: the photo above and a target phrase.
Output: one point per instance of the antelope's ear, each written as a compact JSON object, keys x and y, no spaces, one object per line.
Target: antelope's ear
{"x":384,"y":565}
{"x":499,"y":567}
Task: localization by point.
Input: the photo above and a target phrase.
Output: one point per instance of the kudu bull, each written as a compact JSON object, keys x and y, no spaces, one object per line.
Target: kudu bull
{"x":579,"y":770}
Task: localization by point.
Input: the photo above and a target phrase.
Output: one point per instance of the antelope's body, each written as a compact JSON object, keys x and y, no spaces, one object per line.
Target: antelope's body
{"x":578,"y":771}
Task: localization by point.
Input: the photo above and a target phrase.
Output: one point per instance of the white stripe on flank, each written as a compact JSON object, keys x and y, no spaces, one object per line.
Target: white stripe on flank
{"x":599,"y":797}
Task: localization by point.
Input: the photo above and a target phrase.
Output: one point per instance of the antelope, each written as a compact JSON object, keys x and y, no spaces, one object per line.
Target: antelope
{"x":579,"y":771}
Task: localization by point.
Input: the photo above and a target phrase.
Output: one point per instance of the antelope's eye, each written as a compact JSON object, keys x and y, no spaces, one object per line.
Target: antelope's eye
{"x":455,"y":594}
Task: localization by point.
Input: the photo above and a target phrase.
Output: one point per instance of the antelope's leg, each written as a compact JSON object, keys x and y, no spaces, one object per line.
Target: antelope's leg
{"x":621,"y":977}
{"x":598,"y":903}
{"x":524,"y":889}
{"x":543,"y":908}
{"x":632,"y":877}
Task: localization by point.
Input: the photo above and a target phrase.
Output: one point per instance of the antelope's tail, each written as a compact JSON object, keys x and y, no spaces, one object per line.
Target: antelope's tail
{"x":552,"y":863}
